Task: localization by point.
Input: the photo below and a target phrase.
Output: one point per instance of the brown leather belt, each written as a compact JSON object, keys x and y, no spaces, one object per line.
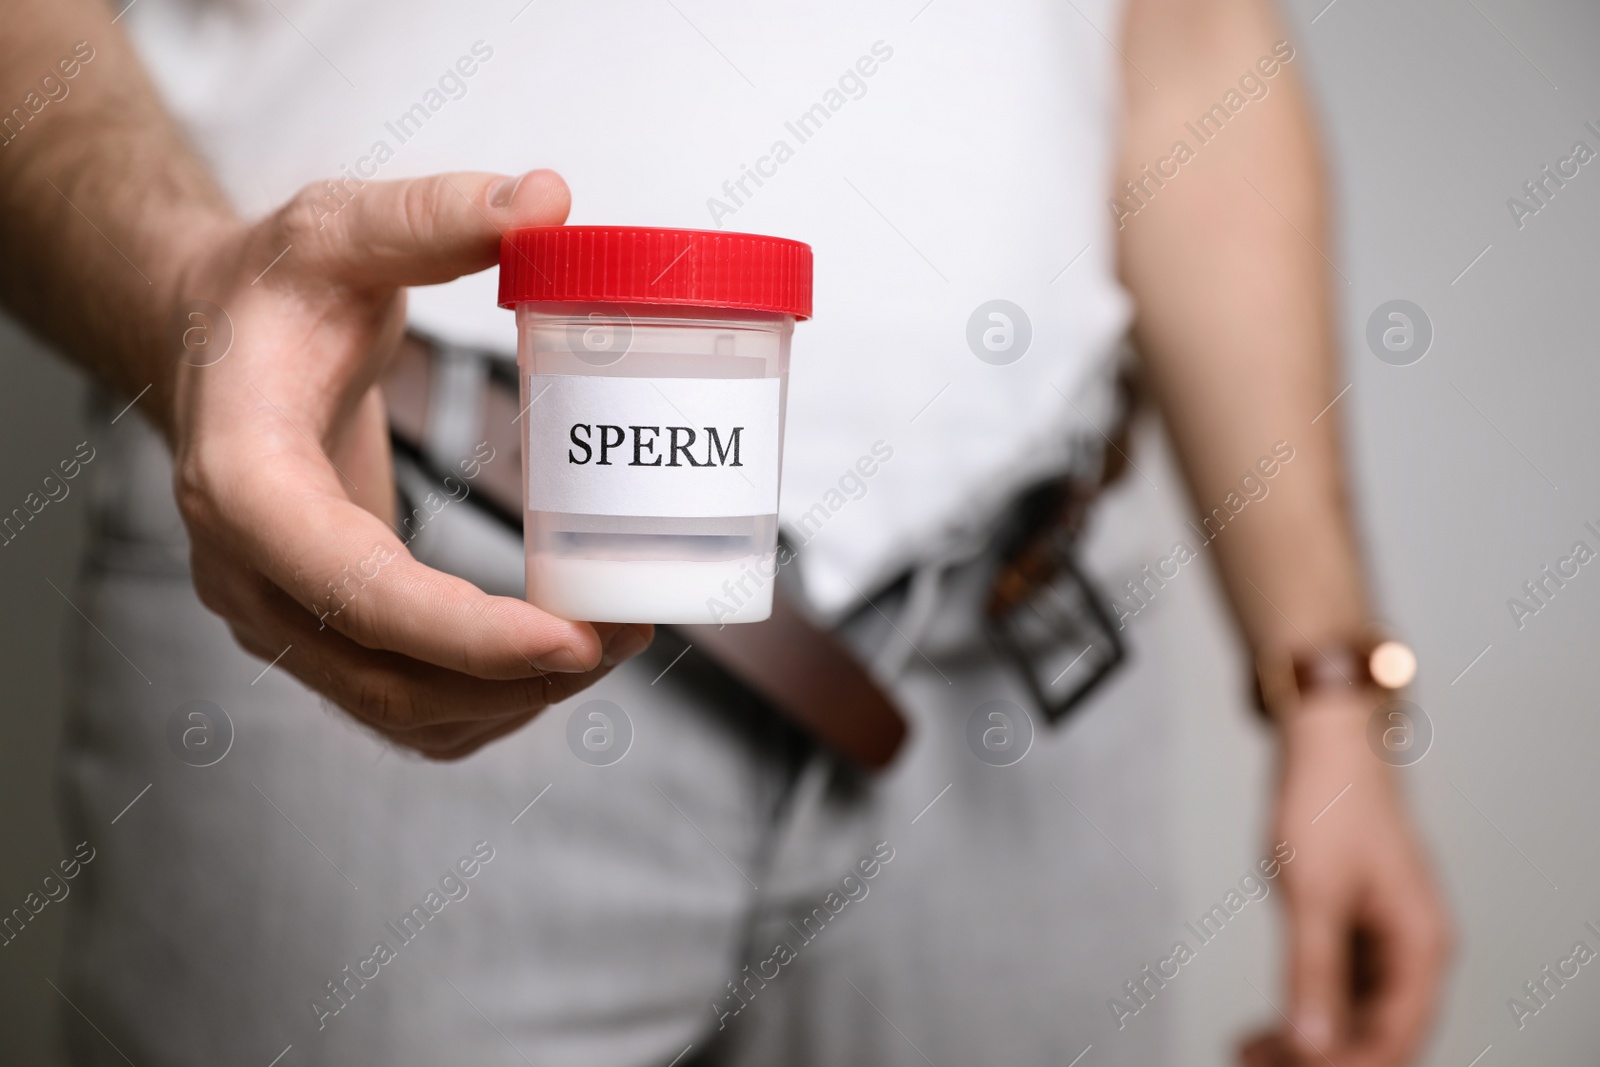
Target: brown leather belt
{"x":802,"y":670}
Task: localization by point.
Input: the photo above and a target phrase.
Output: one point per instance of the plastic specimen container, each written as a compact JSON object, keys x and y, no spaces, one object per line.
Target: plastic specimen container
{"x":654,"y":370}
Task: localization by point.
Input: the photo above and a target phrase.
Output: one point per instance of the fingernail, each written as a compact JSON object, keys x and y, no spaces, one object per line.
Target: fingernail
{"x":562,"y":659}
{"x":624,"y":644}
{"x":504,"y":191}
{"x":1314,"y":1028}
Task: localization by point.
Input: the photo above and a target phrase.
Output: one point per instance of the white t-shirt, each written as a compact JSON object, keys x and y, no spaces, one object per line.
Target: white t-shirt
{"x":937,"y":156}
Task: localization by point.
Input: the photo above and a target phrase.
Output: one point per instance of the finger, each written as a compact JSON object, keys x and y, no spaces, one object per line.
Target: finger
{"x":345,"y":565}
{"x":389,"y":692}
{"x":453,"y":741}
{"x":479,"y":740}
{"x":1266,"y":1050}
{"x":442,"y":742}
{"x":450,"y":733}
{"x":1317,"y":949}
{"x":1412,"y":949}
{"x":422,"y":231}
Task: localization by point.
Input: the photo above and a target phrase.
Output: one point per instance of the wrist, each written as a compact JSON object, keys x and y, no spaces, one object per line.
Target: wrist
{"x":1326,"y":747}
{"x":113,"y":249}
{"x":189,"y":327}
{"x":1329,"y":711}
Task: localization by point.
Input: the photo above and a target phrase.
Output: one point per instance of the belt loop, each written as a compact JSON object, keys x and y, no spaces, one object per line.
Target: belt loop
{"x":924,"y":594}
{"x":922,"y":601}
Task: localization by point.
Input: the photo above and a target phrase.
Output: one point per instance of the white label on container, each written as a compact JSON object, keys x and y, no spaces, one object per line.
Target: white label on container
{"x":662,"y":447}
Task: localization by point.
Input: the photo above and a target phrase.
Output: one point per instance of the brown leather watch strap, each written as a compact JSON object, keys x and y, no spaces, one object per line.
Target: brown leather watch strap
{"x":799,"y":668}
{"x":1285,"y":678}
{"x":1370,"y":663}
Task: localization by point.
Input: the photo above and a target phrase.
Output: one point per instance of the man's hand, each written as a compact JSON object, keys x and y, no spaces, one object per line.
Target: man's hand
{"x":1357,"y":879}
{"x":283,"y":471}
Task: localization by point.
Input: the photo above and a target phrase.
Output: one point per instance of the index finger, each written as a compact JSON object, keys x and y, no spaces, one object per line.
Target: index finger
{"x":1413,"y":951}
{"x":388,"y":600}
{"x":291,"y":520}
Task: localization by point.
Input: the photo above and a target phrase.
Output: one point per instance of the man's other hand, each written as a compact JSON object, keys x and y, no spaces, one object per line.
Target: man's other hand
{"x":284,"y":479}
{"x":1368,"y":937}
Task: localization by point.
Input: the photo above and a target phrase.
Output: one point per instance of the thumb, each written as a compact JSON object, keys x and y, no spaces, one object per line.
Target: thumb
{"x":1317,"y":968}
{"x":419,"y":231}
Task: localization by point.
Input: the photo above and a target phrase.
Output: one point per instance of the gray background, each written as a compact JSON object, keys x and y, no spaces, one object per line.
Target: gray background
{"x":41,"y":402}
{"x":1473,"y":470}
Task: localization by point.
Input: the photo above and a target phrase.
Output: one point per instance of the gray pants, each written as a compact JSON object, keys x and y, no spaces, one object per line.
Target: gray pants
{"x":722,"y":893}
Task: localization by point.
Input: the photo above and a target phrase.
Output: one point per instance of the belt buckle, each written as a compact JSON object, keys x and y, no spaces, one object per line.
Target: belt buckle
{"x":1049,"y":621}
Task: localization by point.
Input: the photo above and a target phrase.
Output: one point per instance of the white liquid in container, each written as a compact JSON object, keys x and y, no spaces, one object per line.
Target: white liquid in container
{"x":670,"y":591}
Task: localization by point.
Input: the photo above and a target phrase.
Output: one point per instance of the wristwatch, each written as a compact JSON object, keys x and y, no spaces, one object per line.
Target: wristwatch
{"x":1286,"y":677}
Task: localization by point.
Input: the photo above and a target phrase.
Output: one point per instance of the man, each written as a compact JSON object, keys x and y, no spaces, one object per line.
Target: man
{"x":254,"y":909}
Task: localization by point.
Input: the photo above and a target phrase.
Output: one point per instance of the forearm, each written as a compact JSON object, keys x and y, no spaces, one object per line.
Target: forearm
{"x":1226,"y":263}
{"x":101,"y":201}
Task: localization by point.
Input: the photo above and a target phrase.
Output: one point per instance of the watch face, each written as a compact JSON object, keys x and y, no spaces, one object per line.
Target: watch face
{"x":1392,"y":665}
